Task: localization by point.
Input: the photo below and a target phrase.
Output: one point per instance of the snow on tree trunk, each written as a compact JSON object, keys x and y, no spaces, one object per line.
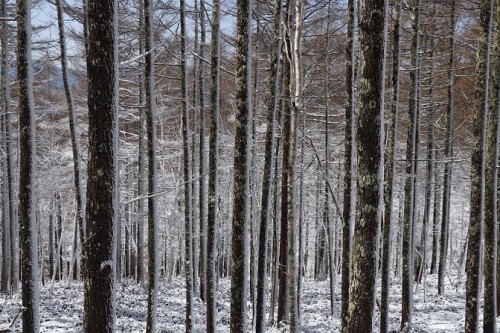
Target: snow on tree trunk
{"x":490,"y":193}
{"x":389,"y":176}
{"x":102,"y":180}
{"x":150,"y":109}
{"x":475,"y":232}
{"x":27,"y":164}
{"x":80,"y":205}
{"x":239,"y":266}
{"x":7,"y":180}
{"x":348,"y":166}
{"x":187,"y":176}
{"x":202,"y":158}
{"x":267,"y":177}
{"x":141,"y":161}
{"x":9,"y":175}
{"x":411,"y":169}
{"x":368,"y":137}
{"x":445,"y":220}
{"x":213,"y":178}
{"x":283,"y":305}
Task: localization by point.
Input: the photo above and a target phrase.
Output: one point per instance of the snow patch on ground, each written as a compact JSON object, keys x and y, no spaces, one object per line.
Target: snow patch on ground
{"x":61,"y":311}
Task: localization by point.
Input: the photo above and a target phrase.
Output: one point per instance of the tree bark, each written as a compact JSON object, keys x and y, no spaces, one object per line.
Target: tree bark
{"x":473,"y":262}
{"x":27,"y":165}
{"x":369,"y":170}
{"x":348,"y":166}
{"x":268,"y":163}
{"x":102,"y":180}
{"x":213,"y":171}
{"x":150,"y":109}
{"x":411,"y":168}
{"x":75,"y":145}
{"x":239,"y":266}
{"x":389,"y":175}
{"x":445,"y":220}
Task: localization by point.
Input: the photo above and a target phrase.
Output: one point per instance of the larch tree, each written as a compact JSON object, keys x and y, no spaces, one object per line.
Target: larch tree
{"x":283,"y":305}
{"x":490,"y":193}
{"x":369,"y":169}
{"x":239,"y":237}
{"x":203,"y":153}
{"x":75,"y":144}
{"x":141,"y":160}
{"x":445,"y":219}
{"x":27,"y":163}
{"x":475,"y":232}
{"x":187,"y":171}
{"x":389,"y":174}
{"x":348,"y":165}
{"x":410,"y":169}
{"x":213,"y":178}
{"x":9,"y":247}
{"x":150,"y":109}
{"x":102,"y":180}
{"x":265,"y":213}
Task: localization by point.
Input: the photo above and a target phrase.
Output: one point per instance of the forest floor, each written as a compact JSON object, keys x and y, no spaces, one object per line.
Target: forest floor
{"x":62,"y":308}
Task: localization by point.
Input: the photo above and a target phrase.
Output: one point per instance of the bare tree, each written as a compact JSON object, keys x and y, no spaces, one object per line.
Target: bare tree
{"x":102,"y":181}
{"x":27,"y":164}
{"x":213,"y":171}
{"x":477,"y":170}
{"x":369,"y":170}
{"x":152,"y":168}
{"x":389,"y":174}
{"x":411,"y":169}
{"x":75,"y":145}
{"x":239,"y":266}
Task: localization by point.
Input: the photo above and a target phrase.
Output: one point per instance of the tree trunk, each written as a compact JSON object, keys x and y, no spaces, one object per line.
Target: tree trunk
{"x":490,"y":193}
{"x":267,"y":177}
{"x":369,"y":185}
{"x":411,"y":169}
{"x":348,"y":166}
{"x":150,"y":109}
{"x":188,"y":243}
{"x":102,"y":181}
{"x":77,"y":179}
{"x":6,"y":221}
{"x":283,"y":305}
{"x":239,"y":266}
{"x":202,"y":158}
{"x":445,"y":220}
{"x":211,"y":278}
{"x":473,"y":262}
{"x":389,"y":175}
{"x":27,"y":165}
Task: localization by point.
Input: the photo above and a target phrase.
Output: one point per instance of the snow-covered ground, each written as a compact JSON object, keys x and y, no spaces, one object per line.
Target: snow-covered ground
{"x":62,"y":308}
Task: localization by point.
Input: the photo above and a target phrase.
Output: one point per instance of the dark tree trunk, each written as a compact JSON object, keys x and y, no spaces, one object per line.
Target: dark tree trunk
{"x":202,"y":158}
{"x":150,"y":109}
{"x":268,"y":163}
{"x":186,"y":144}
{"x":77,"y":179}
{"x":473,"y":262}
{"x":445,"y":219}
{"x":213,"y":171}
{"x":239,"y":266}
{"x":369,"y":170}
{"x":490,"y":193}
{"x":411,"y":169}
{"x":27,"y":164}
{"x":102,"y":182}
